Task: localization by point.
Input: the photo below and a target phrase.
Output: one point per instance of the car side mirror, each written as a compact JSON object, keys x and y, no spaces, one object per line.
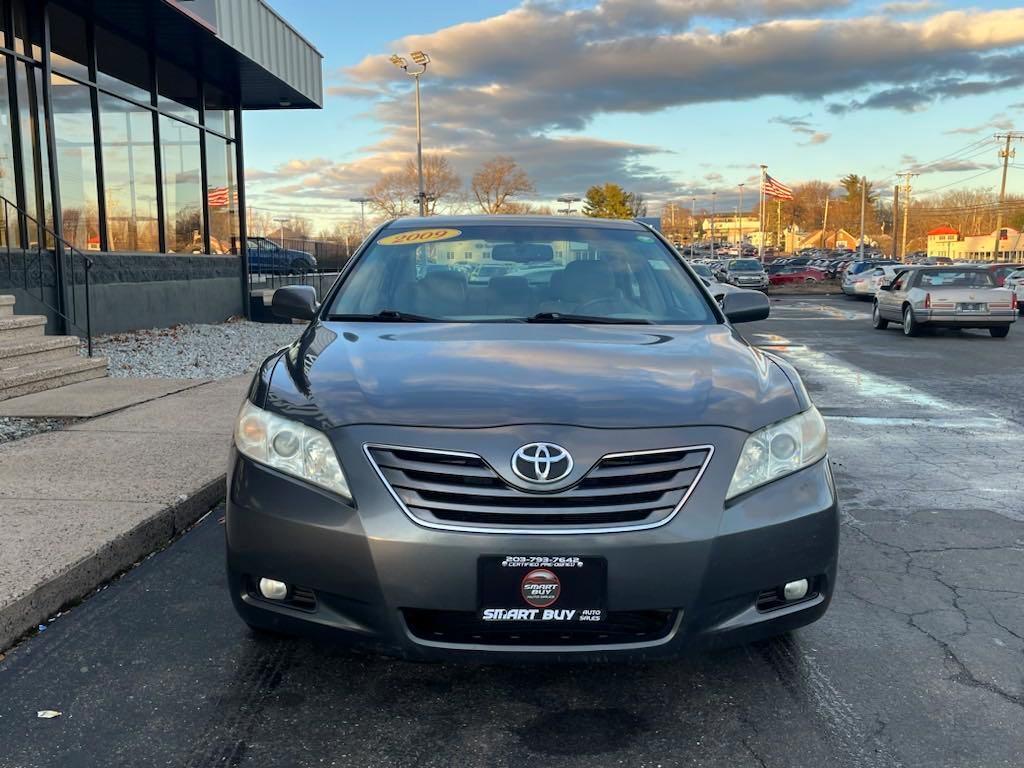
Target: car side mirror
{"x":745,"y":306}
{"x":886,"y":286}
{"x":295,"y":302}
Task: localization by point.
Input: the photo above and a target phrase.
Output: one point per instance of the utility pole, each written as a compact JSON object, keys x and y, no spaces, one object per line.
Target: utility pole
{"x":824,"y":221}
{"x":863,"y":202}
{"x":906,"y":176}
{"x":1005,"y":153}
{"x":895,"y":218}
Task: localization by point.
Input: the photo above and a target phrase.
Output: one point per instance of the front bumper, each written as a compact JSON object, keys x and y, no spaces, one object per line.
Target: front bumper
{"x":373,"y":571}
{"x":740,"y":282}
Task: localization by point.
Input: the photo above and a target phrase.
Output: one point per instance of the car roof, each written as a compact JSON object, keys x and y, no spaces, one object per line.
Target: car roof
{"x":951,"y":268}
{"x":418,"y":222}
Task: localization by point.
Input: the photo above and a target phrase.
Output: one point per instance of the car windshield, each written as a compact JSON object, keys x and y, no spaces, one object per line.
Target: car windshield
{"x":957,"y":278}
{"x":702,"y":269}
{"x":745,"y":265}
{"x":556,"y":273}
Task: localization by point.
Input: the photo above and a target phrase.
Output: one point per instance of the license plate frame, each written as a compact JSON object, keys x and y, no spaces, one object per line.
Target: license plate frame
{"x":972,"y":307}
{"x":577,"y":595}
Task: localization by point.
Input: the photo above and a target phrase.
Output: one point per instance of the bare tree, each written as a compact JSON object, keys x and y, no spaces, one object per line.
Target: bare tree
{"x":440,"y":182}
{"x":394,"y":194}
{"x":390,"y":195}
{"x":497,"y":181}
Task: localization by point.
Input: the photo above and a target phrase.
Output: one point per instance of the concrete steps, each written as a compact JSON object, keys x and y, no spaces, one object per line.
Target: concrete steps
{"x":39,"y":349}
{"x":32,"y":362}
{"x":22,"y":327}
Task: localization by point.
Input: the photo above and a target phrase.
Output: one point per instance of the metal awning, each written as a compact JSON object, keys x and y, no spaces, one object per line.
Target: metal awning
{"x":243,"y":46}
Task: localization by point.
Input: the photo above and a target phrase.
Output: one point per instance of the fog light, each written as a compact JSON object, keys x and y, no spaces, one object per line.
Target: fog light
{"x":794,"y":590}
{"x":278,"y":590}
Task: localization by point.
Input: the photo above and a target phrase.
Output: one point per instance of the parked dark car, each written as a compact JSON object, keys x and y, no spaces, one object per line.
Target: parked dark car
{"x":597,"y":466}
{"x":267,"y":257}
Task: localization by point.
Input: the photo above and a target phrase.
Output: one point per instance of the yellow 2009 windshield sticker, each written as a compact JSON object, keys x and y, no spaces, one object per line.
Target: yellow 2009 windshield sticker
{"x":417,"y":236}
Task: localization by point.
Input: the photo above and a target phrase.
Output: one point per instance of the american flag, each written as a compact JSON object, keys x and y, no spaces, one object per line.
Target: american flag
{"x":218,"y":197}
{"x":776,"y":189}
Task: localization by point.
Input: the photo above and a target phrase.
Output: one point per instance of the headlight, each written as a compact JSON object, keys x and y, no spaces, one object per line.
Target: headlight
{"x":289,"y":447}
{"x":779,"y":449}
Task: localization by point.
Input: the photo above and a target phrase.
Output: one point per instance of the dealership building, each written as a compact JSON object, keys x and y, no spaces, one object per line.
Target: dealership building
{"x":121,"y":141}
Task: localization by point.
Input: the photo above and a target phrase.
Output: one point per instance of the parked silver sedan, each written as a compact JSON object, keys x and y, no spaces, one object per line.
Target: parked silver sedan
{"x":945,"y":297}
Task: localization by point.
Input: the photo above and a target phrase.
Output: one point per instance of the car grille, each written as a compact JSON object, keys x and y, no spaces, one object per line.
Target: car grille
{"x":464,"y":628}
{"x":461,"y":491}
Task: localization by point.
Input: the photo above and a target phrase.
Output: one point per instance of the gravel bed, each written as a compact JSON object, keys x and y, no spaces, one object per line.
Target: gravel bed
{"x":17,"y":427}
{"x":194,"y":351}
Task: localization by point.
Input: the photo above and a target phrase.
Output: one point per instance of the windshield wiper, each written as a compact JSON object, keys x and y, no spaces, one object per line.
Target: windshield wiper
{"x":560,"y":317}
{"x":386,"y":316}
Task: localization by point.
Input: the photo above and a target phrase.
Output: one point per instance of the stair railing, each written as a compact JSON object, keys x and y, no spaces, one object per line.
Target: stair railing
{"x":45,"y":250}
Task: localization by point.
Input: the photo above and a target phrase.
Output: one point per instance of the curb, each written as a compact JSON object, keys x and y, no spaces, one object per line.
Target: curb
{"x":20,"y":617}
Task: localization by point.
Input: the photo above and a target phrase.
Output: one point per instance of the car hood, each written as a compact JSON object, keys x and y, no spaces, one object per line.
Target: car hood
{"x":497,"y":374}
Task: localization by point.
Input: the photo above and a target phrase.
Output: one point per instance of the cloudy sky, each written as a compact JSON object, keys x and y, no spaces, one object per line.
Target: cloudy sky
{"x":670,"y":98}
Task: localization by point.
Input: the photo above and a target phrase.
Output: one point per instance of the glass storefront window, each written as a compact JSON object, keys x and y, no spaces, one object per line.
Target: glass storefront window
{"x":122,"y":66}
{"x":221,"y":194}
{"x":27,"y":28}
{"x":219,"y":115}
{"x":129,"y":175}
{"x":76,"y":162}
{"x":33,"y":145}
{"x":8,"y":233}
{"x":179,"y":91}
{"x":68,"y":51}
{"x":182,"y":176}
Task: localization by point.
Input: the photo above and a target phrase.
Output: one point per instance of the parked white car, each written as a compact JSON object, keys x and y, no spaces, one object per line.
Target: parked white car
{"x":945,"y":297}
{"x":1015,"y":282}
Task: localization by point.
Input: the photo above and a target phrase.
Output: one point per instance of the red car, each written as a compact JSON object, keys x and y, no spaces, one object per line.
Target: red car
{"x":797,"y":275}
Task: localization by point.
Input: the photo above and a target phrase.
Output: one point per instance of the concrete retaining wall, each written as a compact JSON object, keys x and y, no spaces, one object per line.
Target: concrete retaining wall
{"x":131,"y":291}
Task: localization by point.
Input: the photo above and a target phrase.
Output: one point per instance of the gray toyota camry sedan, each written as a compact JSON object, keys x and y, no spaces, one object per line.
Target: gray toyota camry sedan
{"x":577,"y":457}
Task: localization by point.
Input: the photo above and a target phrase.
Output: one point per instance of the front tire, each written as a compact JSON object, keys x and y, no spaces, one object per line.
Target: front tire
{"x":910,"y":325}
{"x":879,"y":322}
{"x":1000,"y":332}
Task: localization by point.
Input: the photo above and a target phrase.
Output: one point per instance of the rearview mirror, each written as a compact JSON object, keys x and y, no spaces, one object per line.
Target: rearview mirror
{"x":295,"y":302}
{"x":745,"y":306}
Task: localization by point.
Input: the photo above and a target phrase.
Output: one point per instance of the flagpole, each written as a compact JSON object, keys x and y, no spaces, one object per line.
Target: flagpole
{"x":760,"y":243}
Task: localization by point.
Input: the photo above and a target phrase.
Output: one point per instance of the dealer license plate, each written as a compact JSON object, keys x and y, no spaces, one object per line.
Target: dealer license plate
{"x":542,"y":589}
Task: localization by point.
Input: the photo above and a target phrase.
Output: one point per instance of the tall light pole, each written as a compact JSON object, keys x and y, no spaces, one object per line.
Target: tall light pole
{"x":568,"y":200}
{"x":282,"y":220}
{"x":714,"y":197}
{"x":863,"y":205}
{"x":693,"y":223}
{"x":420,"y":59}
{"x":739,"y":218}
{"x":362,"y":213}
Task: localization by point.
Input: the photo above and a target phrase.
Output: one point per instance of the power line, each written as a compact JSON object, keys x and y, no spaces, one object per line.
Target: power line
{"x":958,"y":181}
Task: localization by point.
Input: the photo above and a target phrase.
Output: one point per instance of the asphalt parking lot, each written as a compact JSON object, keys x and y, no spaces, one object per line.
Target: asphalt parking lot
{"x":918,"y":662}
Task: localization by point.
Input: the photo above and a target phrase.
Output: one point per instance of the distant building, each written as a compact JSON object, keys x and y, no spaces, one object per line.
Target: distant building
{"x":979,"y":247}
{"x":729,"y":228}
{"x":835,"y":238}
{"x":944,"y":242}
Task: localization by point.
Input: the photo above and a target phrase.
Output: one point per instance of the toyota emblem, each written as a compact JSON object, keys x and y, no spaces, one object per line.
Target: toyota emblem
{"x":542,"y":463}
